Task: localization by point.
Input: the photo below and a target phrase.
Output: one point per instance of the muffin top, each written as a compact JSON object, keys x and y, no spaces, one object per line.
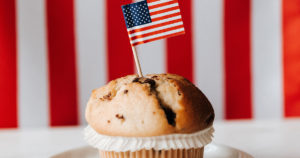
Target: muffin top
{"x":157,"y":104}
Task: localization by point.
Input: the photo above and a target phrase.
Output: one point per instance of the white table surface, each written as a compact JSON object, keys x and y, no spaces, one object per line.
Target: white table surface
{"x":262,"y":139}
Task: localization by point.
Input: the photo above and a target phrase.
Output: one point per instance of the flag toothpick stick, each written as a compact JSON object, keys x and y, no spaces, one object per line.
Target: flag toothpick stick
{"x":137,"y":62}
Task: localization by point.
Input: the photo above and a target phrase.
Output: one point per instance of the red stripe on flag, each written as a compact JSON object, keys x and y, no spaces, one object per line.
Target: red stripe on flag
{"x":158,"y":38}
{"x":62,"y":62}
{"x":291,"y":56}
{"x":162,"y":4}
{"x":180,"y":48}
{"x":165,"y":17}
{"x":8,"y":65}
{"x":237,"y":59}
{"x":149,"y":1}
{"x":156,"y":32}
{"x":155,"y":26}
{"x":119,"y":53}
{"x":164,"y":10}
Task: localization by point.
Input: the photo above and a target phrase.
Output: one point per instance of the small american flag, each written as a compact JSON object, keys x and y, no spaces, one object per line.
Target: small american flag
{"x":151,"y":20}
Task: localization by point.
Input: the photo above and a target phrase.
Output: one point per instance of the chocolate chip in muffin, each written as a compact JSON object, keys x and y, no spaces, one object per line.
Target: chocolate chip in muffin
{"x":108,"y":96}
{"x":170,"y":114}
{"x":154,"y":77}
{"x":136,"y":79}
{"x":125,"y":91}
{"x":119,"y":116}
{"x":151,"y":82}
{"x":108,"y":121}
{"x":146,"y":81}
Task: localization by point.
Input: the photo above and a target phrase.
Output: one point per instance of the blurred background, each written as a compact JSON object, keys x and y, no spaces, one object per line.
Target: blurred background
{"x":243,"y":54}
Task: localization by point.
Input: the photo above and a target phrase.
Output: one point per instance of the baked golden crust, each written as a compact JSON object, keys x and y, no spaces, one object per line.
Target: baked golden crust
{"x":156,"y":104}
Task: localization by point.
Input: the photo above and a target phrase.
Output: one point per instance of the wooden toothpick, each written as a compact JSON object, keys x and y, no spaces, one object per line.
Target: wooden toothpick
{"x":137,"y":62}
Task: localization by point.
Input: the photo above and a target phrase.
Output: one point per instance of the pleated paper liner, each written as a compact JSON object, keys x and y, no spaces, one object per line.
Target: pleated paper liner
{"x":165,"y":146}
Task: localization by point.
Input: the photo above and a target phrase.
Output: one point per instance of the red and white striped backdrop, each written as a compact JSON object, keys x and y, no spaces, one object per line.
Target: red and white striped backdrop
{"x":244,"y":55}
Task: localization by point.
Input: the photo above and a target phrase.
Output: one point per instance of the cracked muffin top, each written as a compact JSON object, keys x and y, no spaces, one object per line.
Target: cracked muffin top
{"x":157,"y":104}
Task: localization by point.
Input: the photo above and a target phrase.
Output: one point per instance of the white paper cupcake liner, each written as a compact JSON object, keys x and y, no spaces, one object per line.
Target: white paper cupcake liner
{"x":165,"y":142}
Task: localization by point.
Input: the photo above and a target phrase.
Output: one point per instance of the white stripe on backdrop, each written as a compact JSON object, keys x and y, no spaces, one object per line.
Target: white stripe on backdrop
{"x":152,"y":57}
{"x":208,"y":42}
{"x":32,"y":64}
{"x":91,"y":48}
{"x":267,"y":59}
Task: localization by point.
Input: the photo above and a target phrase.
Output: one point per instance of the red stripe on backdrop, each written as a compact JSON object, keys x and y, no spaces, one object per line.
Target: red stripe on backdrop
{"x":119,"y":53}
{"x":62,"y":62}
{"x":237,"y":59}
{"x":180,"y":48}
{"x":291,"y":56}
{"x":8,"y":65}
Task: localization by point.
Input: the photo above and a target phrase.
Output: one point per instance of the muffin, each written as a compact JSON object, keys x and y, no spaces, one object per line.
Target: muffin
{"x":159,"y":115}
